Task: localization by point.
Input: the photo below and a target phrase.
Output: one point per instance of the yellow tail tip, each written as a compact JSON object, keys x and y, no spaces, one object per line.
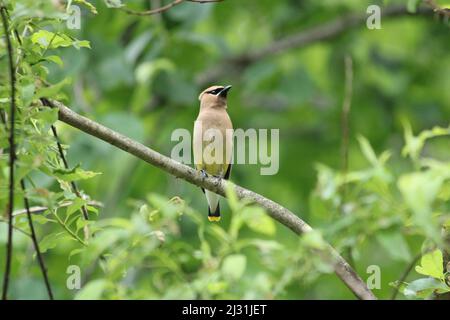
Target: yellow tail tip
{"x":213,"y":218}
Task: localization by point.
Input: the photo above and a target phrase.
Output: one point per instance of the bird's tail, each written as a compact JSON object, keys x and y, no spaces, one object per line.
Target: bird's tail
{"x":214,"y":216}
{"x":213,"y":206}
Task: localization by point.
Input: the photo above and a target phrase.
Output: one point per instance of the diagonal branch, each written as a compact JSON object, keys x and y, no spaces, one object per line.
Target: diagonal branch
{"x":438,"y":9}
{"x":298,"y":40}
{"x":276,"y":211}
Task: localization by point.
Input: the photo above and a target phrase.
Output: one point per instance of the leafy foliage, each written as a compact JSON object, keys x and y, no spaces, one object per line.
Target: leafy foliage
{"x":147,"y":236}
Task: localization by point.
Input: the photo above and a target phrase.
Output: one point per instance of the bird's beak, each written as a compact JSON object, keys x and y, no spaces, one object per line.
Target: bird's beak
{"x":224,"y":92}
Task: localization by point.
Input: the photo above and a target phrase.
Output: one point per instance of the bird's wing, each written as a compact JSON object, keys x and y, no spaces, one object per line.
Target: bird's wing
{"x":228,"y":173}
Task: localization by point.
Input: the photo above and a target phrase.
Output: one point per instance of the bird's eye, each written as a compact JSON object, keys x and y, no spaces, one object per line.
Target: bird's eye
{"x":215,"y":91}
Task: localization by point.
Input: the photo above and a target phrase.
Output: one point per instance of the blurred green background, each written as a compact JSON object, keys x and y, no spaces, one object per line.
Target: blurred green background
{"x":142,"y":76}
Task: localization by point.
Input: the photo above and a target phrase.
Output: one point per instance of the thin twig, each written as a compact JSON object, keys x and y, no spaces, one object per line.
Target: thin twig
{"x":35,"y":242}
{"x":204,"y":1}
{"x":405,"y":275}
{"x":65,"y":227}
{"x":12,"y":155}
{"x":66,"y":166}
{"x":16,"y":228}
{"x":73,"y":185}
{"x":342,"y":269}
{"x":346,"y":105}
{"x":153,"y":11}
{"x":163,"y":8}
{"x":40,"y":209}
{"x":345,"y":127}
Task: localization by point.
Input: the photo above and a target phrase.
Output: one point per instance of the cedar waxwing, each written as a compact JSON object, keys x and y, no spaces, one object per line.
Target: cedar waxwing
{"x":213,"y":120}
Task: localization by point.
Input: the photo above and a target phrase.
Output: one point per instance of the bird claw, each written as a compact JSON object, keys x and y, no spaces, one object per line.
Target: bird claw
{"x":203,"y":174}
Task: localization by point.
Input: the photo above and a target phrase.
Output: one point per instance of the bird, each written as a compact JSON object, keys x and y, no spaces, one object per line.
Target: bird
{"x":213,"y":117}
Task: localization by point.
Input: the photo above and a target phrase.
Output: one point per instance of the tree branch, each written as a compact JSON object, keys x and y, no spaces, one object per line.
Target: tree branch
{"x":405,"y":275}
{"x":345,"y":139}
{"x":345,"y":126}
{"x":302,"y":39}
{"x":438,"y":9}
{"x":66,"y":166}
{"x":164,"y":8}
{"x":35,"y":243}
{"x":12,"y":155}
{"x":40,"y":209}
{"x":276,"y":211}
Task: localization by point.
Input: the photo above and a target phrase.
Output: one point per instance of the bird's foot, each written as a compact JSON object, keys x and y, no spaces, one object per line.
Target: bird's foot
{"x":203,"y":174}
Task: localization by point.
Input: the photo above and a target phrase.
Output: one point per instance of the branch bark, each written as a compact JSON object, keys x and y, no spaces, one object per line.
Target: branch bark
{"x":302,"y":39}
{"x":273,"y":209}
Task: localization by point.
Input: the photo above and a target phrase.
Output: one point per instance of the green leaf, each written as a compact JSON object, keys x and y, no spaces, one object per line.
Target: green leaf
{"x":88,"y":5}
{"x":414,"y":144}
{"x":49,"y":40}
{"x":93,"y":290}
{"x":165,"y":206}
{"x":48,"y":116}
{"x":75,"y":206}
{"x":313,"y":239}
{"x":232,"y":198}
{"x":432,"y":265}
{"x":217,"y":287}
{"x":55,"y":59}
{"x":423,"y":288}
{"x":52,"y":90}
{"x":233,"y":266}
{"x":81,"y":44}
{"x":46,"y":39}
{"x":81,"y":223}
{"x":39,"y":218}
{"x":75,"y":252}
{"x":51,"y":241}
{"x":92,"y":209}
{"x":74,"y":174}
{"x":419,"y":191}
{"x":27,"y":93}
{"x":367,"y":150}
{"x":257,"y":220}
